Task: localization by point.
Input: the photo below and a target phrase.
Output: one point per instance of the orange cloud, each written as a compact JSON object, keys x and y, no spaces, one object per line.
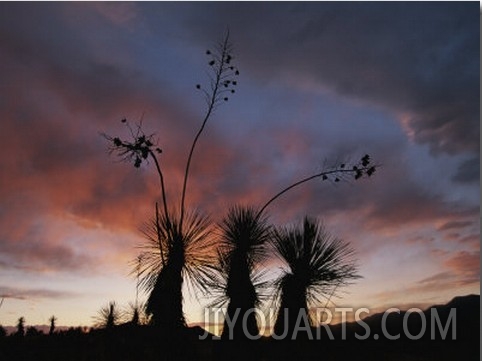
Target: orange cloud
{"x":466,"y":265}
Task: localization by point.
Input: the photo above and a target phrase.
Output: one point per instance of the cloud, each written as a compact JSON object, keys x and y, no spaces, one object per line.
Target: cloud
{"x":473,"y":239}
{"x":123,"y":14}
{"x":454,"y":225}
{"x":439,"y":277}
{"x":38,"y":256}
{"x":391,"y":200}
{"x":59,"y":166}
{"x":468,"y":171}
{"x":425,"y":68}
{"x":466,"y":265}
{"x":445,"y":282}
{"x":34,"y":293}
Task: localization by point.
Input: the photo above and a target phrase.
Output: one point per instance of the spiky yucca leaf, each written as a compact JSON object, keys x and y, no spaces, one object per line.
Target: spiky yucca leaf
{"x":245,"y":232}
{"x":167,"y":243}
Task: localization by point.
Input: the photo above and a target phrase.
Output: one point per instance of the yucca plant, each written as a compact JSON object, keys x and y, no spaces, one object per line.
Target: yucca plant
{"x":238,"y":281}
{"x":316,"y":264}
{"x":108,"y":316}
{"x":20,"y":327}
{"x":171,"y":256}
{"x":52,"y":320}
{"x":174,"y":238}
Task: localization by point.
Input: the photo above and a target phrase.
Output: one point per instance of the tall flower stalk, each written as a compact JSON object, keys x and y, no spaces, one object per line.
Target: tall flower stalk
{"x":222,"y":82}
{"x":172,"y":235}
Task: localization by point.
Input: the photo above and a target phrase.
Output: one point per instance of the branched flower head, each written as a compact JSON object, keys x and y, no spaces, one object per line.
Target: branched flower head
{"x":135,"y":150}
{"x":223,"y":74}
{"x":345,"y":171}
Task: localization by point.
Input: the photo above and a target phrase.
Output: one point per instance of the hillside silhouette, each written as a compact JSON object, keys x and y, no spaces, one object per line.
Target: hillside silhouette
{"x":135,"y":342}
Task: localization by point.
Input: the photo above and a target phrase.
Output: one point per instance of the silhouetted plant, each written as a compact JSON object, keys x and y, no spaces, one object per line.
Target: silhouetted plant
{"x":3,"y":332}
{"x":235,"y":258}
{"x":33,"y":332}
{"x":166,"y":262}
{"x":317,"y":265}
{"x":187,"y":257}
{"x":163,"y":271}
{"x":243,"y":236}
{"x":135,"y":314}
{"x":20,"y":327}
{"x":135,"y":311}
{"x":108,"y":316}
{"x":52,"y":325}
{"x":142,"y":147}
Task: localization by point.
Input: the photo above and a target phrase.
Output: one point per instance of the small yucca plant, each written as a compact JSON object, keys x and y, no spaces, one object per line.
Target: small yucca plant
{"x":108,"y":316}
{"x":238,"y":281}
{"x":316,"y":266}
{"x":52,"y":320}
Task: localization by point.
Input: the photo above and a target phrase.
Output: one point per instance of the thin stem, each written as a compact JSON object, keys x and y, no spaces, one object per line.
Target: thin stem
{"x":304,"y":180}
{"x":163,"y":189}
{"x":158,"y":230}
{"x":211,"y":105}
{"x":139,"y":260}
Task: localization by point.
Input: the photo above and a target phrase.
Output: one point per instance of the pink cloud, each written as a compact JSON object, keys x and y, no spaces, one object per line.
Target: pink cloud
{"x":466,"y":266}
{"x":22,"y":294}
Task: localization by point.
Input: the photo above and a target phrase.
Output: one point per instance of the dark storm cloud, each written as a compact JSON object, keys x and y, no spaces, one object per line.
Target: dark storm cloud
{"x":421,"y":60}
{"x":468,"y":171}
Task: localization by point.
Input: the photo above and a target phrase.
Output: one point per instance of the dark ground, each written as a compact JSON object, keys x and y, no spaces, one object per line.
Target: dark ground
{"x":146,"y":343}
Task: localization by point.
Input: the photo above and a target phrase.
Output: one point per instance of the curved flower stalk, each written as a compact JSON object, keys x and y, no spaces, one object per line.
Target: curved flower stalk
{"x":316,"y":266}
{"x":362,"y":168}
